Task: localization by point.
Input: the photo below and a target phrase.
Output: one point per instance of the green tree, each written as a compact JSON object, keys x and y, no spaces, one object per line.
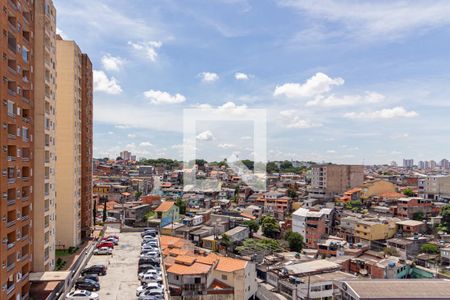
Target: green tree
{"x":429,"y":248}
{"x":445,"y":213}
{"x":150,"y":215}
{"x":295,"y":241}
{"x":391,"y":251}
{"x":418,"y":216}
{"x":270,"y":227}
{"x":137,"y":195}
{"x":181,"y":205}
{"x":292,"y":193}
{"x":408,"y":192}
{"x":248,"y":163}
{"x":252,"y":225}
{"x":259,"y":245}
{"x":104,"y":213}
{"x":226,"y":242}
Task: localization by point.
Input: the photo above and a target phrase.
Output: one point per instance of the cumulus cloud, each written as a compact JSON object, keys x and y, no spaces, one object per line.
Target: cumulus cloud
{"x":346,"y":100}
{"x":205,"y":136}
{"x":241,"y":76}
{"x":104,"y":84}
{"x":387,"y":113}
{"x":146,"y":144}
{"x":318,"y":84}
{"x":148,"y":49}
{"x":131,"y":135}
{"x":112,"y":63}
{"x":208,"y":76}
{"x":160,"y":97}
{"x":301,"y":124}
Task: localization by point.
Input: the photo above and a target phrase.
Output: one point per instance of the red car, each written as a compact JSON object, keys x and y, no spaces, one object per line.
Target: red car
{"x":113,"y":236}
{"x":105,"y":244}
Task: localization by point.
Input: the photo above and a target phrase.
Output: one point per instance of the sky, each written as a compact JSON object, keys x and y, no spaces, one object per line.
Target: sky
{"x":341,"y":81}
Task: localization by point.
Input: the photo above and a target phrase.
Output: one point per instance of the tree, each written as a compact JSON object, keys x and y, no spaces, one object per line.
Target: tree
{"x":445,"y":213}
{"x":391,"y":251}
{"x":408,"y":192}
{"x":181,"y":206}
{"x":94,"y":211}
{"x":295,"y":241}
{"x":252,"y":225}
{"x":137,"y":195}
{"x":226,"y":242}
{"x":429,"y":248}
{"x":104,"y":213}
{"x":150,"y":215}
{"x":292,"y":193}
{"x":254,"y":246}
{"x":418,"y":216}
{"x":270,"y":227}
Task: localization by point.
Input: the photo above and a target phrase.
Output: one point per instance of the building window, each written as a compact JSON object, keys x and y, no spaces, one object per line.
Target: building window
{"x":224,"y":277}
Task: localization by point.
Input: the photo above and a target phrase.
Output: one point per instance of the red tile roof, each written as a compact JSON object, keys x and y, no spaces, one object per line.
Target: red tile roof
{"x":165,"y":206}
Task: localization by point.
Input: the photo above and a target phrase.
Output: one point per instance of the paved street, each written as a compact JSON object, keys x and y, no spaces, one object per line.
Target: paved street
{"x":121,"y":280}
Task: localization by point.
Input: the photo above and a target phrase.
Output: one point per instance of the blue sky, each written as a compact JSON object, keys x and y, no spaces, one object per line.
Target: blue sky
{"x":342,"y":81}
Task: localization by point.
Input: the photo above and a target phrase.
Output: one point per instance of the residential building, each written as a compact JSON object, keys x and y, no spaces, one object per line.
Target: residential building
{"x":167,"y":212}
{"x":408,"y":163}
{"x":411,"y":227}
{"x":70,"y":145}
{"x":404,"y":289}
{"x":377,"y":188}
{"x":407,"y":248}
{"x":238,"y":234}
{"x":445,"y":256}
{"x":17,"y":147}
{"x":44,"y":188}
{"x":125,"y":155}
{"x":436,"y":188}
{"x":313,"y":224}
{"x":87,"y":90}
{"x":331,"y":180}
{"x":445,"y":164}
{"x":407,"y":207}
{"x":374,"y":230}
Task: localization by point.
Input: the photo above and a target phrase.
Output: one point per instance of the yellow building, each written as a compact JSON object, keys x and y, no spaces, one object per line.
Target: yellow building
{"x":373,"y":231}
{"x":377,"y":188}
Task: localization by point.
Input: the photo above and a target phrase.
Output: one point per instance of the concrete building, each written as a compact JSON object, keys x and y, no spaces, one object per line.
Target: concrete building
{"x":44,"y":136}
{"x":331,"y":180}
{"x":445,"y":164}
{"x":408,"y":163}
{"x":125,"y":155}
{"x":436,"y":188}
{"x":407,"y":207}
{"x":87,"y":90}
{"x":313,"y":224}
{"x":16,"y":139}
{"x":375,"y":230}
{"x":69,"y":147}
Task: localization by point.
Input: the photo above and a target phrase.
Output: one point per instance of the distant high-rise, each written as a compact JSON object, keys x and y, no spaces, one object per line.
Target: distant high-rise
{"x":445,"y":164}
{"x":44,"y":136}
{"x":70,"y":186}
{"x":125,"y":155}
{"x":16,"y":142}
{"x":408,"y":163}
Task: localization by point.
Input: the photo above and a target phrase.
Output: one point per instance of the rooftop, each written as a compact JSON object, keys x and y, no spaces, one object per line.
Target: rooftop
{"x":165,"y":206}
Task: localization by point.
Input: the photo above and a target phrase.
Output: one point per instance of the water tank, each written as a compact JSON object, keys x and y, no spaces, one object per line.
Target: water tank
{"x":391,"y":264}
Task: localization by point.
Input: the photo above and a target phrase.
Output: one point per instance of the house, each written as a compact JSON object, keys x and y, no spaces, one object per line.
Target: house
{"x":136,"y":214}
{"x":313,"y":224}
{"x":407,"y":248}
{"x":445,"y":256}
{"x":238,"y":234}
{"x":373,"y":230}
{"x":411,"y":226}
{"x":407,"y":207}
{"x":377,"y":188}
{"x":167,"y":212}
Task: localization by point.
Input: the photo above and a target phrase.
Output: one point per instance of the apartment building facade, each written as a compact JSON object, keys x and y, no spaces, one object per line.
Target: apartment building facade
{"x":87,"y":90}
{"x":16,"y":154}
{"x":330,"y":180}
{"x":435,"y":188}
{"x":69,"y":143}
{"x":44,"y":188}
{"x":313,"y":224}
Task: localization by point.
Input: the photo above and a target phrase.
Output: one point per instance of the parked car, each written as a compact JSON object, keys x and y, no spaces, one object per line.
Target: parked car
{"x":150,"y":254}
{"x":105,"y":244}
{"x":147,"y":278}
{"x":82,"y":295}
{"x":95,"y":269}
{"x":103,"y":251}
{"x":93,"y":277}
{"x":151,"y":294}
{"x":149,"y":260}
{"x":148,"y":286}
{"x":149,"y":231}
{"x":149,"y":271}
{"x":87,"y":284}
{"x":111,"y":239}
{"x":144,"y":268}
{"x":113,"y":236}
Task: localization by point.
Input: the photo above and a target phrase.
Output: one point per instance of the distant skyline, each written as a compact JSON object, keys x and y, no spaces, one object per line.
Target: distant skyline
{"x":342,"y":81}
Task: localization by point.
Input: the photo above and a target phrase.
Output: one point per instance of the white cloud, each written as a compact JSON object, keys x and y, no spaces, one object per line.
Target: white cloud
{"x":131,"y":135}
{"x":331,"y":151}
{"x":225,"y":146}
{"x":205,"y":136}
{"x":287,"y":113}
{"x":346,"y":100}
{"x":318,"y":84}
{"x":241,"y":76}
{"x":110,"y":132}
{"x":380,"y":19}
{"x":246,"y":137}
{"x":301,"y":124}
{"x":208,"y":76}
{"x":146,"y":144}
{"x":387,"y":113}
{"x":232,"y":107}
{"x":147,"y":48}
{"x":159,"y":97}
{"x":61,"y":33}
{"x":103,"y":84}
{"x":112,"y":63}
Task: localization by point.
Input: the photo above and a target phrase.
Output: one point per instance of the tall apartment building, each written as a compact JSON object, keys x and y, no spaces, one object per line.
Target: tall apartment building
{"x":44,"y":136}
{"x":435,"y":187}
{"x":86,"y":145}
{"x":445,"y":164}
{"x":329,"y":180}
{"x":16,"y":152}
{"x":68,"y":146}
{"x":408,"y":163}
{"x":125,"y":155}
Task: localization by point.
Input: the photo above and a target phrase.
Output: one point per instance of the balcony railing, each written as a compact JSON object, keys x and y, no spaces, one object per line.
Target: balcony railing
{"x":11,"y":158}
{"x":11,"y":223}
{"x":10,"y":245}
{"x":10,"y":289}
{"x":12,"y":4}
{"x":10,"y":267}
{"x":11,"y":202}
{"x":11,"y":92}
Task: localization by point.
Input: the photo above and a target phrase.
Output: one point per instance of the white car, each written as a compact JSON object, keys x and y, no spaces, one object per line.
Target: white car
{"x":147,"y":278}
{"x":82,"y":295}
{"x":149,"y":271}
{"x":149,"y":255}
{"x":103,"y":251}
{"x":152,"y":294}
{"x":149,"y":286}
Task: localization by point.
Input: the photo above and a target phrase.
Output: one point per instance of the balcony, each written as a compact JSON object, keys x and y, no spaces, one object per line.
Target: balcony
{"x":11,"y":202}
{"x":10,"y":289}
{"x":11,"y":223}
{"x":13,"y":4}
{"x":10,"y":266}
{"x":11,"y":245}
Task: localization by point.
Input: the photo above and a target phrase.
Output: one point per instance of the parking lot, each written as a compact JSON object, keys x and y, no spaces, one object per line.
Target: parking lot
{"x":121,"y":280}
